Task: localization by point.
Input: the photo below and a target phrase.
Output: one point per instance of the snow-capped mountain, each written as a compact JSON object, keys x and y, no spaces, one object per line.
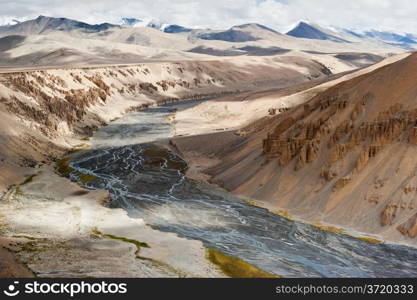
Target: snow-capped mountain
{"x":152,"y":23}
{"x":130,"y":22}
{"x":407,"y":41}
{"x":255,"y":36}
{"x":148,"y":22}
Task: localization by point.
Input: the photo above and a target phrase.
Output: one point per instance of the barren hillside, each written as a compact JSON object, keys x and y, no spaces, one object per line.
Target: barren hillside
{"x":344,"y":157}
{"x":43,"y":111}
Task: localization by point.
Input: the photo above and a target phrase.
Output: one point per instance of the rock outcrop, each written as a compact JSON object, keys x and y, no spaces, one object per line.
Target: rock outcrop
{"x":409,"y":228}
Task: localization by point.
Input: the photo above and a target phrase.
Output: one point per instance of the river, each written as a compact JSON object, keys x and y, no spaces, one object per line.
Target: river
{"x":148,"y":181}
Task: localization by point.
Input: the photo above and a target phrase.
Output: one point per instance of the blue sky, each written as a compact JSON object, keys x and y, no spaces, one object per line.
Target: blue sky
{"x":393,"y":15}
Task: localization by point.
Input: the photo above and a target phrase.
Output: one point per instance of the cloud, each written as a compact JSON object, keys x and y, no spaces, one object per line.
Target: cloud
{"x":394,"y":15}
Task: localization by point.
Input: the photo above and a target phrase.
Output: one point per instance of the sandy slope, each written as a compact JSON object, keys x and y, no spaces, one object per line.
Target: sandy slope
{"x":237,"y":111}
{"x":345,"y":159}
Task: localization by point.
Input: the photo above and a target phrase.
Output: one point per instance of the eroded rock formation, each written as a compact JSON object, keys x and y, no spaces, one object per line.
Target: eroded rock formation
{"x":341,"y":140}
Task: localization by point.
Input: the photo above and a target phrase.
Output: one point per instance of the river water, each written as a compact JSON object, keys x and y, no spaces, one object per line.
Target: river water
{"x":148,"y":181}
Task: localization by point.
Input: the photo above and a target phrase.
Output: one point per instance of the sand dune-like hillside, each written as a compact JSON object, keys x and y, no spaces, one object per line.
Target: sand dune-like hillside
{"x":344,"y":157}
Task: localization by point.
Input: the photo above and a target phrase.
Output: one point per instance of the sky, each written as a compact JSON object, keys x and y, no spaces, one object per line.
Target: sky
{"x":391,"y":15}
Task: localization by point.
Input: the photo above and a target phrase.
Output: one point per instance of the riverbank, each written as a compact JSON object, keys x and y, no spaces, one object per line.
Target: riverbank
{"x":63,"y":230}
{"x":205,"y":158}
{"x":199,"y":164}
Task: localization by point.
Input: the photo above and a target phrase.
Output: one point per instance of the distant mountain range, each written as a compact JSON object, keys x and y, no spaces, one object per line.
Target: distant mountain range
{"x":257,"y":38}
{"x":235,"y":34}
{"x":44,"y":24}
{"x":241,"y":33}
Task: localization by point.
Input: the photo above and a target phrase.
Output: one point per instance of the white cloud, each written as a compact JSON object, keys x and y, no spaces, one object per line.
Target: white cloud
{"x":395,"y":15}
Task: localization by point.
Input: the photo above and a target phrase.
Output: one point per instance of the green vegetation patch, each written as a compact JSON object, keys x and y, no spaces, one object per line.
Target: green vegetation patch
{"x":127,"y":240}
{"x":328,"y":228}
{"x":137,"y":243}
{"x":84,"y":178}
{"x":252,"y":203}
{"x":29,"y":179}
{"x":235,"y":267}
{"x":63,"y":166}
{"x":64,"y":169}
{"x":283,"y":213}
{"x":369,"y":240}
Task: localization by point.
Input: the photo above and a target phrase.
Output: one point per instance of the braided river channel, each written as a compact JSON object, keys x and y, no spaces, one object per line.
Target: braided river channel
{"x":148,"y":181}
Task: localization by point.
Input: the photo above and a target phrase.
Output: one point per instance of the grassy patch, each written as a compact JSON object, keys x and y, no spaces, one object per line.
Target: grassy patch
{"x":369,"y":240}
{"x":283,"y":213}
{"x":29,"y":179}
{"x":252,"y":203}
{"x":64,"y":169}
{"x":63,"y":166}
{"x":235,"y":267}
{"x":137,"y":243}
{"x":328,"y":228}
{"x":126,"y":240}
{"x":84,"y":178}
{"x":333,"y":229}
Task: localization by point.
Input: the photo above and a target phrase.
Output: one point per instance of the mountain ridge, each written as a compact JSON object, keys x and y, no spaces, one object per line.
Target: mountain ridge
{"x":43,"y":24}
{"x":305,"y":30}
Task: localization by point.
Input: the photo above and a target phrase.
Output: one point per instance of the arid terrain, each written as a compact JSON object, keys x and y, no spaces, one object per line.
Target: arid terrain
{"x":320,"y":130}
{"x":340,"y":156}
